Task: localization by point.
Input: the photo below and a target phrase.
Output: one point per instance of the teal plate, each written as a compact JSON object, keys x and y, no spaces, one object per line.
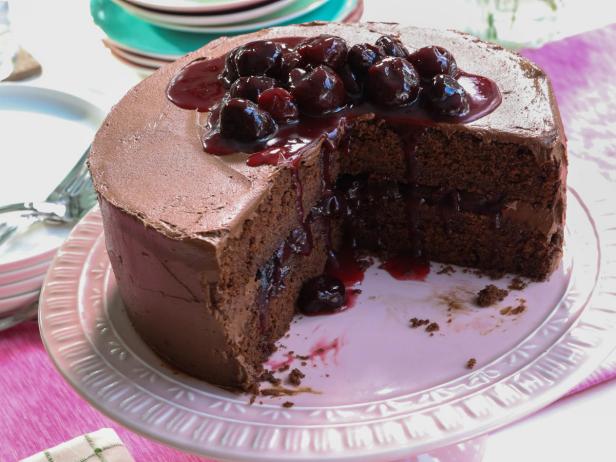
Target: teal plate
{"x":141,"y":36}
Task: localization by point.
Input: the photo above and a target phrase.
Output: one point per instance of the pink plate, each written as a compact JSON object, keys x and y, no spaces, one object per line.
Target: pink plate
{"x":27,"y":262}
{"x":380,"y":389}
{"x":20,"y":287}
{"x":199,"y":6}
{"x":37,"y":269}
{"x":10,"y":304}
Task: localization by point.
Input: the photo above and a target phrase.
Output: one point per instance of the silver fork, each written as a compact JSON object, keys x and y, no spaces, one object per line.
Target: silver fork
{"x":66,"y":204}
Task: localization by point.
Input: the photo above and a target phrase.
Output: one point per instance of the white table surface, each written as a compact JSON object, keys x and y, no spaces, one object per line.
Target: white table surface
{"x":62,"y":37}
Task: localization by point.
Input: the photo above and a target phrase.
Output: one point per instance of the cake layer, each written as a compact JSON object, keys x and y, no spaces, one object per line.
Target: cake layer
{"x":453,"y":227}
{"x":457,"y":160}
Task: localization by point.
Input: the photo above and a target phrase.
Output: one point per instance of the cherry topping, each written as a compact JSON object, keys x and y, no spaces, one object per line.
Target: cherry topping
{"x":362,"y":56}
{"x":393,"y":82}
{"x":331,"y":206}
{"x":229,"y":73}
{"x":447,"y":96}
{"x":320,"y":91}
{"x":296,"y":75}
{"x":289,"y":60}
{"x":279,"y":103}
{"x":392,"y":46}
{"x":300,"y":241}
{"x":251,"y":87}
{"x":257,"y":58}
{"x":242,"y":120}
{"x":321,"y":294}
{"x":433,"y":60}
{"x":350,"y":80}
{"x":324,"y":49}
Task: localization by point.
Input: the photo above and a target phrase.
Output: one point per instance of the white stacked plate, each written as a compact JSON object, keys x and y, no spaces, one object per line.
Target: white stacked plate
{"x":146,"y":34}
{"x":45,"y":132}
{"x":259,"y":15}
{"x":24,"y":261}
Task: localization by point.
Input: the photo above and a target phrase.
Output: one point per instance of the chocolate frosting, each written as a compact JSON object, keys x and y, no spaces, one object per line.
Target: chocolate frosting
{"x":147,"y":159}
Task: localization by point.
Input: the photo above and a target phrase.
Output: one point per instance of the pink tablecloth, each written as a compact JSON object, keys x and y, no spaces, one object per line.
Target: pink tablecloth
{"x":38,"y":409}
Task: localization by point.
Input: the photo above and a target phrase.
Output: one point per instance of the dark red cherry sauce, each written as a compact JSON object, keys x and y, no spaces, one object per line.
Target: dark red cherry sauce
{"x":197,"y":87}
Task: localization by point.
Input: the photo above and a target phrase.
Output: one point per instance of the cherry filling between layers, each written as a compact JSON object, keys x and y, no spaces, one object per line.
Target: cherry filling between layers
{"x":274,"y":99}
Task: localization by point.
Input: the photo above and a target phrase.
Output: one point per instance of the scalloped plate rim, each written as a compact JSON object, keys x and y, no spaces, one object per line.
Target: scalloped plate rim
{"x":520,"y":410}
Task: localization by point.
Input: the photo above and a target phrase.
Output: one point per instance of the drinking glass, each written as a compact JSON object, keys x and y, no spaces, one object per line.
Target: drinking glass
{"x":517,"y":23}
{"x":8,"y":46}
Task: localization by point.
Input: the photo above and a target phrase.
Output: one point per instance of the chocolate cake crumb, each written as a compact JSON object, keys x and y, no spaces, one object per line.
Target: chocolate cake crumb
{"x":283,"y":368}
{"x":517,"y":283}
{"x":288,"y":404}
{"x":514,"y":311}
{"x":295,"y":377}
{"x":282,"y":391}
{"x":254,"y":389}
{"x":415,"y":322}
{"x":471,"y":363}
{"x":490,"y":295}
{"x":446,"y":269}
{"x":268,"y":376}
{"x":302,"y":357}
{"x":304,"y":363}
{"x":432,"y":327}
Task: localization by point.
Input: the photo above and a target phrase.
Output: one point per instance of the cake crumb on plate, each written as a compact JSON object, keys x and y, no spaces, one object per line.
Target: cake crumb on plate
{"x":490,"y":295}
{"x":295,"y":377}
{"x":415,"y":322}
{"x":517,"y":283}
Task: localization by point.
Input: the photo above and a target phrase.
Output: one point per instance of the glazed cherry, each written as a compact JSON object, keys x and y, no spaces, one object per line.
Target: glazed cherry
{"x":393,"y":82}
{"x":322,"y":294}
{"x":295,"y":76}
{"x":447,"y":96}
{"x":392,"y":46}
{"x":330,"y":206}
{"x":433,"y":60}
{"x":300,"y":241}
{"x":289,"y":60}
{"x":242,"y":120}
{"x":362,"y":56}
{"x":324,"y":49}
{"x":350,"y":80}
{"x":229,"y":73}
{"x":251,"y":87}
{"x":321,"y":91}
{"x":257,"y":58}
{"x":279,"y":103}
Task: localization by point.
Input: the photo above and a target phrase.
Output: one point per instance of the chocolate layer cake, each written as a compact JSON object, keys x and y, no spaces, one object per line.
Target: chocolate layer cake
{"x":241,"y":182}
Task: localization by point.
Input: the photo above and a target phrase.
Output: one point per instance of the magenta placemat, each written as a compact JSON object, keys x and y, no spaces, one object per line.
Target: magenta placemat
{"x":582,"y":70}
{"x":38,"y":409}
